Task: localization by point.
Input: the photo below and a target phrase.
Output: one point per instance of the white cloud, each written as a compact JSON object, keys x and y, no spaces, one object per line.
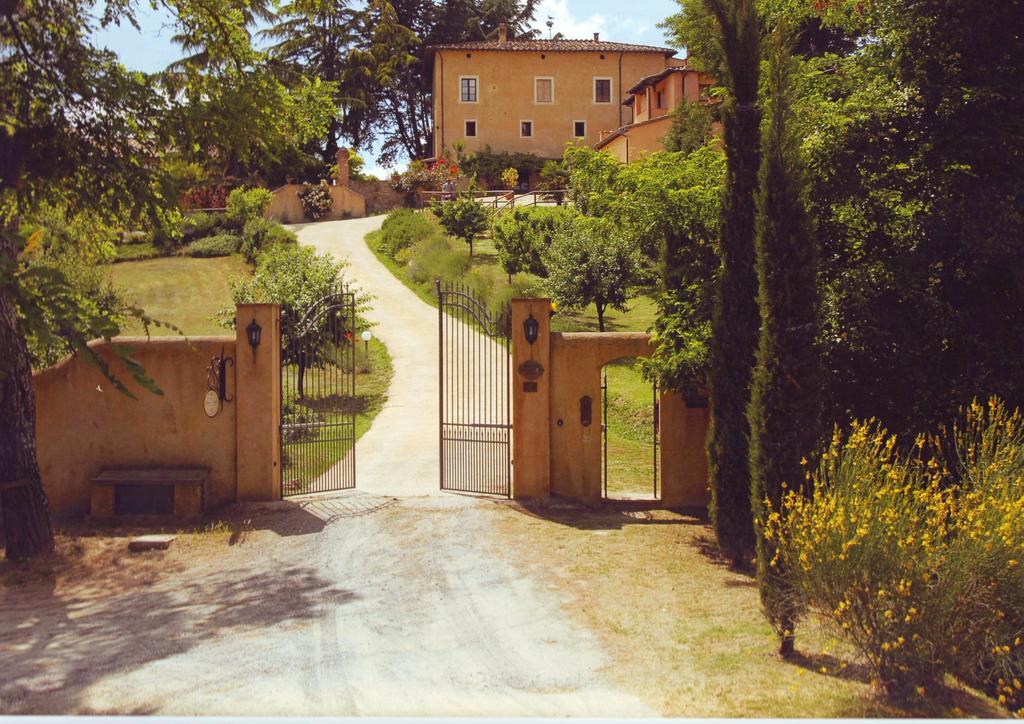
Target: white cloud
{"x":566,"y":23}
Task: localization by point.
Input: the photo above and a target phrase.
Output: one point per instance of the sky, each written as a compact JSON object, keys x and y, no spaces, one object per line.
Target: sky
{"x":150,"y":49}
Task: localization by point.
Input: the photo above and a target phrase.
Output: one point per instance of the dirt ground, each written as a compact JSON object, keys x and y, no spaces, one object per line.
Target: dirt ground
{"x":357,"y":604}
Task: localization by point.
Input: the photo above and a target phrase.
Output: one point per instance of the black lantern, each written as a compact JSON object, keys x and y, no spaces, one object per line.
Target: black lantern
{"x":254,"y":332}
{"x":531,"y":328}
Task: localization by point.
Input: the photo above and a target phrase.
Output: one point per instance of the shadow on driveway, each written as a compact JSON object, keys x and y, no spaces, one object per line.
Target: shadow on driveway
{"x":54,"y":647}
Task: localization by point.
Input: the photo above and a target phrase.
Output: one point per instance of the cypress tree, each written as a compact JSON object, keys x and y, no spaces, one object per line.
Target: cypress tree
{"x":735,"y":319}
{"x":785,"y":405}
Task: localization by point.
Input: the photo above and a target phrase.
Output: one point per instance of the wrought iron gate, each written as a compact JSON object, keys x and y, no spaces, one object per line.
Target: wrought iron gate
{"x":655,"y":436}
{"x":474,"y":360}
{"x":318,"y":396}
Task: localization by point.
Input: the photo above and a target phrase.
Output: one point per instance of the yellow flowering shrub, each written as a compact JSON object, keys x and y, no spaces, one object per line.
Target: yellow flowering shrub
{"x":917,"y":556}
{"x":987,"y":547}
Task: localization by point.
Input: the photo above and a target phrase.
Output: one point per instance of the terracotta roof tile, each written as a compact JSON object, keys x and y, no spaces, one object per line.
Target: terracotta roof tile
{"x":572,"y":46}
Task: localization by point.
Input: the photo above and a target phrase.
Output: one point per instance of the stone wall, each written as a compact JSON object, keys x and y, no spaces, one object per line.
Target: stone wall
{"x":380,"y":195}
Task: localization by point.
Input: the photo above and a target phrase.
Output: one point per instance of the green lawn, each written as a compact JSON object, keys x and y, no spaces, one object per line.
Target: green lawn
{"x":639,"y":317}
{"x":314,"y":452}
{"x":630,"y":431}
{"x":183,"y":291}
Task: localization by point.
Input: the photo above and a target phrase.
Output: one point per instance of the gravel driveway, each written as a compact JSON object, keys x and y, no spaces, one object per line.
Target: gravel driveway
{"x":388,"y":600}
{"x":351,"y":604}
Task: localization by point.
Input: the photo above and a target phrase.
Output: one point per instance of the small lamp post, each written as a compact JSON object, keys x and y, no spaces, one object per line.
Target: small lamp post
{"x":254,"y":332}
{"x":366,"y":336}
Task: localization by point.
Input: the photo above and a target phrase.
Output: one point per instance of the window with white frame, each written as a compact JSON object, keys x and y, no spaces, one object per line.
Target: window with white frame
{"x":543,"y":90}
{"x":468,"y":88}
{"x":602,"y":90}
{"x":526,"y":129}
{"x":579,"y":129}
{"x":470,"y":129}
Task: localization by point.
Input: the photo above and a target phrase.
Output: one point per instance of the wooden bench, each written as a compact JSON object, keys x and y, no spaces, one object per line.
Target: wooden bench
{"x":149,"y":491}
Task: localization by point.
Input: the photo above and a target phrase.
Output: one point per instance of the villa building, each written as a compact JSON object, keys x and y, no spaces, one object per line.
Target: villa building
{"x":534,"y":96}
{"x":651,"y":100}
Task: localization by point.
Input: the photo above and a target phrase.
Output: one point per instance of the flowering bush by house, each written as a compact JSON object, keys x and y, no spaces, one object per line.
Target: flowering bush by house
{"x":316,"y":200}
{"x":421,"y":176}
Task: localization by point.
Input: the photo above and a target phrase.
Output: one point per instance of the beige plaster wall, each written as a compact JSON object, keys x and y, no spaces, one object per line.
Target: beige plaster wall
{"x":531,"y":435}
{"x":576,"y":362}
{"x":286,"y":206}
{"x":84,"y":424}
{"x":684,"y":459}
{"x":506,"y":97}
{"x":639,"y":140}
{"x":258,"y":404}
{"x":553,"y":452}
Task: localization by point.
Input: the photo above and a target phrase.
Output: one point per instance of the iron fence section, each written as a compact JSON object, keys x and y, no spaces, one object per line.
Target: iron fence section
{"x":318,"y":396}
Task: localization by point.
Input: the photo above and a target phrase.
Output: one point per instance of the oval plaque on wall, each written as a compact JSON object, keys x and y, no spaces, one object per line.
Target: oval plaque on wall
{"x":531,"y":369}
{"x":211,"y":403}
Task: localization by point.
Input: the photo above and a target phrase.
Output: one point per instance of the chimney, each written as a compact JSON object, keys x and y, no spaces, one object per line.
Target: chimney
{"x":597,"y":37}
{"x":342,"y":157}
{"x":502,"y":33}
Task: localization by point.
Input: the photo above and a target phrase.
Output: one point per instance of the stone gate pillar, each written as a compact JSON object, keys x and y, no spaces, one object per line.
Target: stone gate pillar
{"x":258,"y":400}
{"x":531,"y":395}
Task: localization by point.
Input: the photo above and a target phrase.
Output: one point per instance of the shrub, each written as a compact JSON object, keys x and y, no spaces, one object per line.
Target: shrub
{"x":219,"y":245}
{"x":464,"y":218}
{"x":523,"y":236}
{"x":244,"y":204}
{"x":510,"y":177}
{"x":137,"y":251}
{"x":435,"y":258}
{"x":404,"y":227}
{"x":203,"y":223}
{"x":259,"y":234}
{"x":316,"y":200}
{"x":919,"y":565}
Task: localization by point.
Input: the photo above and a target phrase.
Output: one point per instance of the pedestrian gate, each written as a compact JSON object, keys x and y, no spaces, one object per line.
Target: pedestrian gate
{"x":475,"y":362}
{"x":318,"y":396}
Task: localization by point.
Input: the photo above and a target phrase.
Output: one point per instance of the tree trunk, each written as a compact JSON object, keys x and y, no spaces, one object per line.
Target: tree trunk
{"x":25,"y":510}
{"x":600,"y":317}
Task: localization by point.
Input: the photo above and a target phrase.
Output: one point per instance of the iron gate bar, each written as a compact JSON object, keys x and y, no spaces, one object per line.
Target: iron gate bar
{"x":318,"y":394}
{"x":474,"y":393}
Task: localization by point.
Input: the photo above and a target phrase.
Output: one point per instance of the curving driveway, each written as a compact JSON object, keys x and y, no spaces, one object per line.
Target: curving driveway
{"x":398,"y":454}
{"x":352,"y":604}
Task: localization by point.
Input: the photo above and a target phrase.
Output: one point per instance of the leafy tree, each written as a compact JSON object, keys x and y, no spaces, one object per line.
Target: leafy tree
{"x":687,"y":232}
{"x":464,"y":218}
{"x":295,"y":277}
{"x":52,"y":151}
{"x":354,"y":49}
{"x":590,"y":174}
{"x":523,"y":236}
{"x":592,"y":264}
{"x":690,"y":129}
{"x":734,"y":321}
{"x":785,"y":403}
{"x":918,"y":192}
